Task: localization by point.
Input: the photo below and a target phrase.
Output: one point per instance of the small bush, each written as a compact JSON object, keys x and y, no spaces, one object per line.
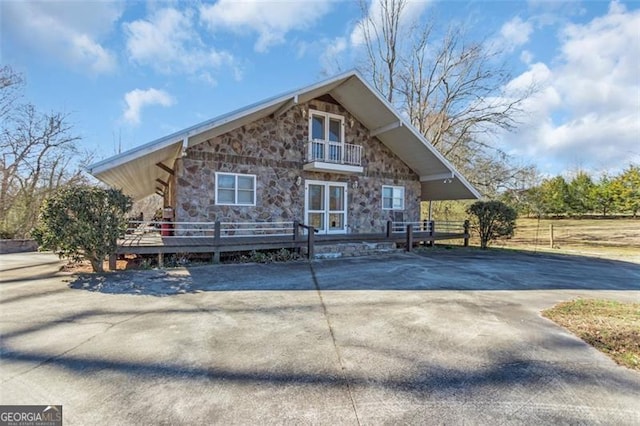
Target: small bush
{"x":266,"y":256}
{"x":6,"y":234}
{"x":83,"y":222}
{"x":492,"y":220}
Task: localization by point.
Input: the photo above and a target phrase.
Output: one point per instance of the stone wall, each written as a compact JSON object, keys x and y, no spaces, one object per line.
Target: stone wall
{"x":273,"y":150}
{"x":17,"y":246}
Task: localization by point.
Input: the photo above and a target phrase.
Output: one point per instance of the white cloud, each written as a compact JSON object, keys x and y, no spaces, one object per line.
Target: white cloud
{"x":270,"y":20}
{"x":586,"y":111}
{"x":412,"y":11}
{"x":138,"y":99}
{"x":70,"y":34}
{"x":329,"y":59}
{"x":526,"y":57}
{"x":513,"y":34}
{"x":169,"y":42}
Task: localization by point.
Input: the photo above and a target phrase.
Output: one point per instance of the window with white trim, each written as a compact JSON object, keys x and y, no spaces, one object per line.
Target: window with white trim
{"x":235,"y":189}
{"x":324,"y":126}
{"x":326,"y":132}
{"x":392,"y":197}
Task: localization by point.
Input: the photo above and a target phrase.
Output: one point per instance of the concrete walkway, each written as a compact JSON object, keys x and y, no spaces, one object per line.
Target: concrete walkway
{"x":438,"y":338}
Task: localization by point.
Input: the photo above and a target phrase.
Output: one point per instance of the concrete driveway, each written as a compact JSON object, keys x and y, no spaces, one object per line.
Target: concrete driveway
{"x":437,"y":338}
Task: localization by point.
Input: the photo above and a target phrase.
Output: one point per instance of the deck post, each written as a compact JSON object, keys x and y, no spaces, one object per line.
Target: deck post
{"x":113,"y":262}
{"x":296,"y":235}
{"x":216,"y":231}
{"x":466,"y":233}
{"x":432,"y":233}
{"x":160,"y":259}
{"x":389,"y":229}
{"x":310,"y":238}
{"x":216,"y":256}
{"x":409,"y":237}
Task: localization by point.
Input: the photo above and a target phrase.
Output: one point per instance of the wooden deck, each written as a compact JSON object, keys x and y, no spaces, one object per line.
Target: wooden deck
{"x":157,"y":244}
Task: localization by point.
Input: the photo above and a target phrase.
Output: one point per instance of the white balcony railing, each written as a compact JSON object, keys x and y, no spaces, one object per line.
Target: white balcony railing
{"x":334,"y":152}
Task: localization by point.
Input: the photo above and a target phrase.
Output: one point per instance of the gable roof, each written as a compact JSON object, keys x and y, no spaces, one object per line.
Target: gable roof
{"x":137,"y":172}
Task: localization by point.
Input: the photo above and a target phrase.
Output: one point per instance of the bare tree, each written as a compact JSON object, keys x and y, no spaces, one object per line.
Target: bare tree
{"x":11,"y":84}
{"x":39,"y":155}
{"x":380,"y":31}
{"x":453,"y":90}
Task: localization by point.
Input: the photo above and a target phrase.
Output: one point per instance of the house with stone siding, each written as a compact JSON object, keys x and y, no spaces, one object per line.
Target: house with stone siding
{"x":334,"y":155}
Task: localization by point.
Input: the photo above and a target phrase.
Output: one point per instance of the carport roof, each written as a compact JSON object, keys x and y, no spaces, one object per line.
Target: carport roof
{"x":138,"y":173}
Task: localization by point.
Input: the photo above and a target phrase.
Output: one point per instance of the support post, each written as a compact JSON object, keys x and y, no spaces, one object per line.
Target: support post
{"x":216,"y":256}
{"x":551,"y":235}
{"x":389,"y":229}
{"x":160,"y":260}
{"x":310,"y":243}
{"x":432,"y":232}
{"x":466,"y":233}
{"x":409,"y":237}
{"x":112,"y":262}
{"x":296,"y":236}
{"x":216,"y":232}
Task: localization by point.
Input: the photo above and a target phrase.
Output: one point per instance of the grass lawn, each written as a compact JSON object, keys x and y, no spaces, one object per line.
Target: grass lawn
{"x":617,"y":238}
{"x":609,"y":326}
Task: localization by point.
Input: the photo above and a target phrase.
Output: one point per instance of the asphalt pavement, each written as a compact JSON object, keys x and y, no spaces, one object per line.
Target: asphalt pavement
{"x":440,"y":337}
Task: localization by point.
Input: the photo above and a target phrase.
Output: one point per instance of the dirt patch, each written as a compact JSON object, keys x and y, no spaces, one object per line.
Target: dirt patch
{"x":84,"y":267}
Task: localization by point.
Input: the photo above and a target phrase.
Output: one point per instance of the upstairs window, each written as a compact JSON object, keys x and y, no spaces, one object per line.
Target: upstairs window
{"x":324,"y":126}
{"x":393,"y":197}
{"x":234,"y":189}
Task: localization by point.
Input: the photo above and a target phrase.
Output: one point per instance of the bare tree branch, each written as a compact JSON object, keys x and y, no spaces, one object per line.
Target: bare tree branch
{"x":39,"y":155}
{"x":453,"y":90}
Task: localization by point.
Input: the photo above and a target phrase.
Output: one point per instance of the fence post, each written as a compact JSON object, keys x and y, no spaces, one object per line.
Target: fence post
{"x":295,"y":230}
{"x":310,"y":237}
{"x":389,"y":229}
{"x":466,"y":233}
{"x":409,"y":237}
{"x":551,"y":235}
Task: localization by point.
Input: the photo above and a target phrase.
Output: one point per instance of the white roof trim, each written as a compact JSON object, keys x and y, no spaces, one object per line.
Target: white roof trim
{"x":165,"y":141}
{"x":282,"y":103}
{"x":383,"y":129}
{"x":439,"y":176}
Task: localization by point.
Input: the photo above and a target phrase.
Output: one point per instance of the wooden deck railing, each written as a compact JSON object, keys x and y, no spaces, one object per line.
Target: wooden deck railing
{"x":216,"y":237}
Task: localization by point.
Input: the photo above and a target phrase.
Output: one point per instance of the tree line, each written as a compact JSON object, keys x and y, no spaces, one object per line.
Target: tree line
{"x":580,"y":195}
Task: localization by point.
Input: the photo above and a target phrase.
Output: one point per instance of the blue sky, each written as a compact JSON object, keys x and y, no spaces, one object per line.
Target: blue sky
{"x":130,"y":72}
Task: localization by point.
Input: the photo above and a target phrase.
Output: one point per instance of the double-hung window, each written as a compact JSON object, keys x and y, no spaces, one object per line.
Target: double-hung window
{"x":393,"y":197}
{"x":327,"y":136}
{"x":235,"y":189}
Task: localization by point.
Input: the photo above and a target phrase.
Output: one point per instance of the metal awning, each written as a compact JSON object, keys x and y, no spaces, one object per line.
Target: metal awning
{"x":136,"y":171}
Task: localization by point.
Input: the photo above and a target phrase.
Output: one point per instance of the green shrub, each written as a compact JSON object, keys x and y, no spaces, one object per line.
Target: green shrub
{"x":492,"y":220}
{"x":83,"y":222}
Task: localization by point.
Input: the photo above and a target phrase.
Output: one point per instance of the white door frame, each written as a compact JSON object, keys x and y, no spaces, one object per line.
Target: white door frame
{"x":327,"y":212}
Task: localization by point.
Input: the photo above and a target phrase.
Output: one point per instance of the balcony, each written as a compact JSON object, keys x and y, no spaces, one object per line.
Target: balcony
{"x":336,"y":157}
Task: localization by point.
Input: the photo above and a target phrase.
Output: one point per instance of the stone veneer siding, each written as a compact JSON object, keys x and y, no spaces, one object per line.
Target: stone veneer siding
{"x":274,"y":151}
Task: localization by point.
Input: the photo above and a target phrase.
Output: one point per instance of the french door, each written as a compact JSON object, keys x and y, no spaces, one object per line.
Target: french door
{"x":326,"y":206}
